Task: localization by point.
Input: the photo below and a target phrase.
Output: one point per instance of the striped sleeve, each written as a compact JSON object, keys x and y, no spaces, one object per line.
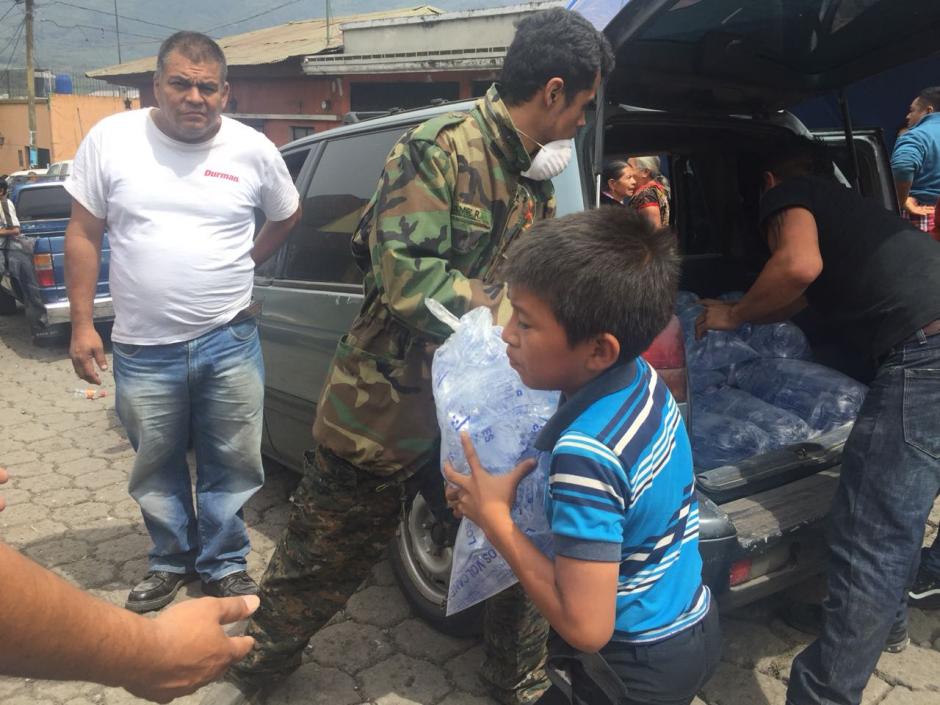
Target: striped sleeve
{"x":589,"y":494}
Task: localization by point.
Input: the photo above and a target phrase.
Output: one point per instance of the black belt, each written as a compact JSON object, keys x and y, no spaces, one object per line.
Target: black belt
{"x":250,"y":311}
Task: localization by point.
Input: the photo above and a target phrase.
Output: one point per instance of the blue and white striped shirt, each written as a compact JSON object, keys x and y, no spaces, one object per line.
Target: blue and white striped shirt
{"x":621,"y":489}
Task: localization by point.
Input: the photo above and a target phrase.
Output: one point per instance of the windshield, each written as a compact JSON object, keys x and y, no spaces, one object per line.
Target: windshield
{"x":42,"y":203}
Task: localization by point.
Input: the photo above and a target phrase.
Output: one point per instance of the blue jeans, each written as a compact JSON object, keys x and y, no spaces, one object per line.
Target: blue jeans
{"x":890,"y":477}
{"x":211,"y":389}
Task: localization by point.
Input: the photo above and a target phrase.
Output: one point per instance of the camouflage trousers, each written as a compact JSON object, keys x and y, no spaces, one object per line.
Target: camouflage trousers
{"x":341,"y":520}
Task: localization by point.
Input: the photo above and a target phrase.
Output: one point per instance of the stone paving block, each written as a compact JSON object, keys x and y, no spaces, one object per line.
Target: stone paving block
{"x":314,"y":685}
{"x":18,"y":457}
{"x":121,"y":549}
{"x":924,"y":626}
{"x":382,"y":574}
{"x":934,"y":517}
{"x":63,"y":690}
{"x":875,"y":691}
{"x":81,"y":466}
{"x":86,"y":515}
{"x":58,"y":551}
{"x":463,"y":669}
{"x":458,"y":697}
{"x":350,"y":646}
{"x":381,"y":606}
{"x":102,"y":478}
{"x":738,"y":686}
{"x":9,"y":686}
{"x":20,"y":514}
{"x":415,"y":638}
{"x":64,"y":497}
{"x":401,"y":679}
{"x":86,"y":573}
{"x":30,"y":432}
{"x":914,"y":667}
{"x":11,"y":417}
{"x":903,"y":696}
{"x":19,"y":536}
{"x":27,"y":699}
{"x":14,"y":495}
{"x":40,"y":484}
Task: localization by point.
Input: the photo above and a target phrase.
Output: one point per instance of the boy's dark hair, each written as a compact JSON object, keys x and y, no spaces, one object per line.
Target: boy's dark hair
{"x":614,"y":169}
{"x":930,"y":96}
{"x":196,"y":47}
{"x":607,"y":270}
{"x":791,"y":155}
{"x":4,"y":185}
{"x":550,"y":43}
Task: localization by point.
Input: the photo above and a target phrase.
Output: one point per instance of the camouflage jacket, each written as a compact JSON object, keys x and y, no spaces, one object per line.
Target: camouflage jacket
{"x":448,"y":204}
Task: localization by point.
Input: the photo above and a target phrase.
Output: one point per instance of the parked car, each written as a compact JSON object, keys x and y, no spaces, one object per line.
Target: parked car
{"x":58,"y":171}
{"x":33,"y":263}
{"x":714,"y":81}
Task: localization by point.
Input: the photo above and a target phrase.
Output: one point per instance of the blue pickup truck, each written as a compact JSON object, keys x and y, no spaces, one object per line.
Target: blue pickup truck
{"x":33,"y":263}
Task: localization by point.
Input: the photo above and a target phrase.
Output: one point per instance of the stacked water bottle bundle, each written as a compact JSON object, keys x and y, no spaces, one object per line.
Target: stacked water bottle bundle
{"x":756,"y":388}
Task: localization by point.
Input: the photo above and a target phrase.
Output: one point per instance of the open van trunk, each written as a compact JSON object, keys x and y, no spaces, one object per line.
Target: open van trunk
{"x":762,"y":515}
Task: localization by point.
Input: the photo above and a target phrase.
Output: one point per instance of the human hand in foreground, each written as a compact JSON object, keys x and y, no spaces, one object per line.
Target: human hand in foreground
{"x":4,"y":476}
{"x":483,"y":497}
{"x":87,"y":352}
{"x":186,"y":648}
{"x":914,"y":208}
{"x":718,"y":315}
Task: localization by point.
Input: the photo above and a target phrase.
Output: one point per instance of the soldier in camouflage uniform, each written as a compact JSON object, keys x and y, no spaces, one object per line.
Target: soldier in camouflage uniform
{"x":449,"y":202}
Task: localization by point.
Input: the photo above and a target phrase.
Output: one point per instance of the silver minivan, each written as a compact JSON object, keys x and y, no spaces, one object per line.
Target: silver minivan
{"x":703,"y":84}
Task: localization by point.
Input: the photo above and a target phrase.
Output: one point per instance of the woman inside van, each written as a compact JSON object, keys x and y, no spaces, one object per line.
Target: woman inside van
{"x":620,"y":181}
{"x":651,"y":198}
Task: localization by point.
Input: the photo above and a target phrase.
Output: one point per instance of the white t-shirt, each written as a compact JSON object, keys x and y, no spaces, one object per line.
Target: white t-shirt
{"x":14,"y":222}
{"x":180,"y":220}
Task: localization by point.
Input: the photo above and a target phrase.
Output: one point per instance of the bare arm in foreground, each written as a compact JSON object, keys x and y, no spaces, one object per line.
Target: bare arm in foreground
{"x":63,"y":633}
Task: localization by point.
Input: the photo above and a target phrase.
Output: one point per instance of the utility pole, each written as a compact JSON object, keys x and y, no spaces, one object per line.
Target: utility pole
{"x":30,"y":73}
{"x":117,"y":31}
{"x":328,"y":23}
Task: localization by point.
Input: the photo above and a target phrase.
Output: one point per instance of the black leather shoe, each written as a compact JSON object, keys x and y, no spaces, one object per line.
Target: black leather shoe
{"x":156,"y":590}
{"x":231,"y":585}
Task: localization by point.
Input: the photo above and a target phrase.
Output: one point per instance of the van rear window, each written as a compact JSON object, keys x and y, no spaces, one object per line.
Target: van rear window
{"x":42,"y":203}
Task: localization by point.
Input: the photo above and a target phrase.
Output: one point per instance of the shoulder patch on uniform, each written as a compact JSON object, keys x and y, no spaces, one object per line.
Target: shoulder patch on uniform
{"x":430,"y":129}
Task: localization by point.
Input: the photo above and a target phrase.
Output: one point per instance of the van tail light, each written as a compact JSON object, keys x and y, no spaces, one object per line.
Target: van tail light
{"x":45,"y":276}
{"x":667,"y":356}
{"x":740,"y":572}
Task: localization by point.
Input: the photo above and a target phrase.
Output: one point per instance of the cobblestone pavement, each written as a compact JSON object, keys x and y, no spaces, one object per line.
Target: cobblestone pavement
{"x":69,"y":510}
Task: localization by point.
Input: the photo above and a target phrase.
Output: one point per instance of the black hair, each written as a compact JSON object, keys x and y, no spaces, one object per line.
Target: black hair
{"x":791,"y":155}
{"x":607,"y":270}
{"x":4,"y":185}
{"x":930,"y":96}
{"x":550,"y":43}
{"x":196,"y":47}
{"x":614,"y":169}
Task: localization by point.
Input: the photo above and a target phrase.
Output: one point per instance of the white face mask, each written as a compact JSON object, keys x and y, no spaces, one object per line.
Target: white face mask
{"x":550,"y":160}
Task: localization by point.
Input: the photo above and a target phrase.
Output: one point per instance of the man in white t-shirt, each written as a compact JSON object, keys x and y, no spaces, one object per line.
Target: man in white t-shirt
{"x":9,"y":225}
{"x":176,"y":187}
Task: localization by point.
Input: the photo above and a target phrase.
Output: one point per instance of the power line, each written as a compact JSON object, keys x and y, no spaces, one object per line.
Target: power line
{"x":260,"y":14}
{"x":111,"y":14}
{"x":100,"y":29}
{"x":18,"y":37}
{"x":9,"y":10}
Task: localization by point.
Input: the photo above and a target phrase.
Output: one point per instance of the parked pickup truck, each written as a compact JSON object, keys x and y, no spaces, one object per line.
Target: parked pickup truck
{"x":713,"y":80}
{"x":32,"y":263}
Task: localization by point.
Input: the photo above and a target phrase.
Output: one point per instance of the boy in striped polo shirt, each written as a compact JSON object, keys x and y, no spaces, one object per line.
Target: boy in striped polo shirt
{"x":632,"y":622}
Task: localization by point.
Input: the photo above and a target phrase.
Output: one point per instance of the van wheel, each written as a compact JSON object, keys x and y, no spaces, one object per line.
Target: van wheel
{"x":44,"y":335}
{"x":421,"y":565}
{"x":7,"y":304}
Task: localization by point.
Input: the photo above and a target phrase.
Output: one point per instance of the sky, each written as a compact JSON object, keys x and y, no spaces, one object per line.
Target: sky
{"x":74,"y":36}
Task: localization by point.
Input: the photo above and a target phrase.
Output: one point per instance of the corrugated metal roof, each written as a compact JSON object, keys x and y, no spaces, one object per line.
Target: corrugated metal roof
{"x":274,"y":44}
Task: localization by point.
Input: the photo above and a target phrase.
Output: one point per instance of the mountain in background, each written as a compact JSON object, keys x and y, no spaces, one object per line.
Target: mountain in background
{"x":74,"y":36}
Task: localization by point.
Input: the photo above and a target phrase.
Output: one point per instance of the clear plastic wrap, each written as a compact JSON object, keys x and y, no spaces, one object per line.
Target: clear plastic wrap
{"x":782,"y":427}
{"x":716,"y":349}
{"x":783,"y":339}
{"x":476,"y":390}
{"x":824,"y":398}
{"x":720,"y":439}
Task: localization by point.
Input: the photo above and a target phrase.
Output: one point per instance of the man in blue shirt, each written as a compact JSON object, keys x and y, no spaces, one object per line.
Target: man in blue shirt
{"x":632,"y":621}
{"x":916,"y":160}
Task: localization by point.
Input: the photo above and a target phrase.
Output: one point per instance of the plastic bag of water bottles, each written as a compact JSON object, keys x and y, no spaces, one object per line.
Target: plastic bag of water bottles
{"x":782,"y":427}
{"x":782,"y":339}
{"x":716,"y":349}
{"x":721,"y":439}
{"x":821,"y":396}
{"x":476,"y":391}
